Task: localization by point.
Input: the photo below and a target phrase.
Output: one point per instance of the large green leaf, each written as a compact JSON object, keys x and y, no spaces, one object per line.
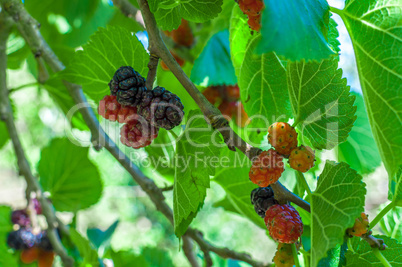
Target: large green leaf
{"x":374,"y":27}
{"x":3,"y":134}
{"x":239,"y":37}
{"x":192,"y":170}
{"x":336,"y":203}
{"x":361,"y":254}
{"x":88,"y":254}
{"x":168,"y":13}
{"x":391,"y":224}
{"x":358,"y":150}
{"x":233,"y":178}
{"x":295,"y":29}
{"x":72,"y":180}
{"x":108,"y":49}
{"x":214,"y":66}
{"x":263,"y":87}
{"x":321,"y":102}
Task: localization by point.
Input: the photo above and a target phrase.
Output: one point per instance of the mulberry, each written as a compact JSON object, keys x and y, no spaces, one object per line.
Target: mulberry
{"x":128,"y":86}
{"x":162,"y":108}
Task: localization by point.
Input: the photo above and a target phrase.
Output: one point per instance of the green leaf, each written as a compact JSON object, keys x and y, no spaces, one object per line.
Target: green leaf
{"x":263,"y":87}
{"x":332,"y":260}
{"x":101,"y":238}
{"x":161,"y":154}
{"x":69,"y":22}
{"x":333,"y":35}
{"x":374,"y":28}
{"x":358,"y":150}
{"x":192,"y":170}
{"x":107,"y":50}
{"x":395,"y":188}
{"x":295,"y":29}
{"x":321,"y":102}
{"x":232,"y":176}
{"x":168,"y":13}
{"x":391,"y":224}
{"x":239,"y":37}
{"x":7,"y":259}
{"x":16,"y":50}
{"x":214,"y":66}
{"x":3,"y":134}
{"x":128,"y":258}
{"x":362,"y":254}
{"x":72,"y":180}
{"x":88,"y":254}
{"x":339,"y":190}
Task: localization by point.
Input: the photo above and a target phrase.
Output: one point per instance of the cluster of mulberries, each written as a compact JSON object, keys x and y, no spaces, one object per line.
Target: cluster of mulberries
{"x":141,"y":111}
{"x":33,"y":244}
{"x":283,"y":221}
{"x":283,"y":138}
{"x":227,"y":99}
{"x":267,"y":168}
{"x":253,"y":9}
{"x":182,"y":37}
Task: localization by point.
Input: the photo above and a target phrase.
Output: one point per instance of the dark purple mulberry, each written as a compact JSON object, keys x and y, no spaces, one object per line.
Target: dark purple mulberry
{"x":262,"y":198}
{"x":128,"y":86}
{"x":21,"y":239}
{"x":162,"y":108}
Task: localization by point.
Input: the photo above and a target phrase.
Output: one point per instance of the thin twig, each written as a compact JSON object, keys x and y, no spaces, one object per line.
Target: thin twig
{"x":207,"y":257}
{"x":373,"y":241}
{"x":212,"y":114}
{"x":221,"y":251}
{"x":153,"y":67}
{"x":129,"y":11}
{"x":189,"y":252}
{"x":23,"y":165}
{"x":29,"y":30}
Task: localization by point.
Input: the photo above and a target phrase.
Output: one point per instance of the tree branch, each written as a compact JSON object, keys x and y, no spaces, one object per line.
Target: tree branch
{"x":153,"y":67}
{"x":212,"y":114}
{"x":23,"y":165}
{"x":30,"y":31}
{"x":222,"y":252}
{"x":189,"y":252}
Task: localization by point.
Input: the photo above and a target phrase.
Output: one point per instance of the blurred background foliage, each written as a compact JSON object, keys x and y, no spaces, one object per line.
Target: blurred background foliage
{"x":124,"y":225}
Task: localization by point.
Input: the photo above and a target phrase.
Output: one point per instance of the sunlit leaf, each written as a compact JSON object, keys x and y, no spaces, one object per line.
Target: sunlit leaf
{"x":374,"y":28}
{"x":339,"y":190}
